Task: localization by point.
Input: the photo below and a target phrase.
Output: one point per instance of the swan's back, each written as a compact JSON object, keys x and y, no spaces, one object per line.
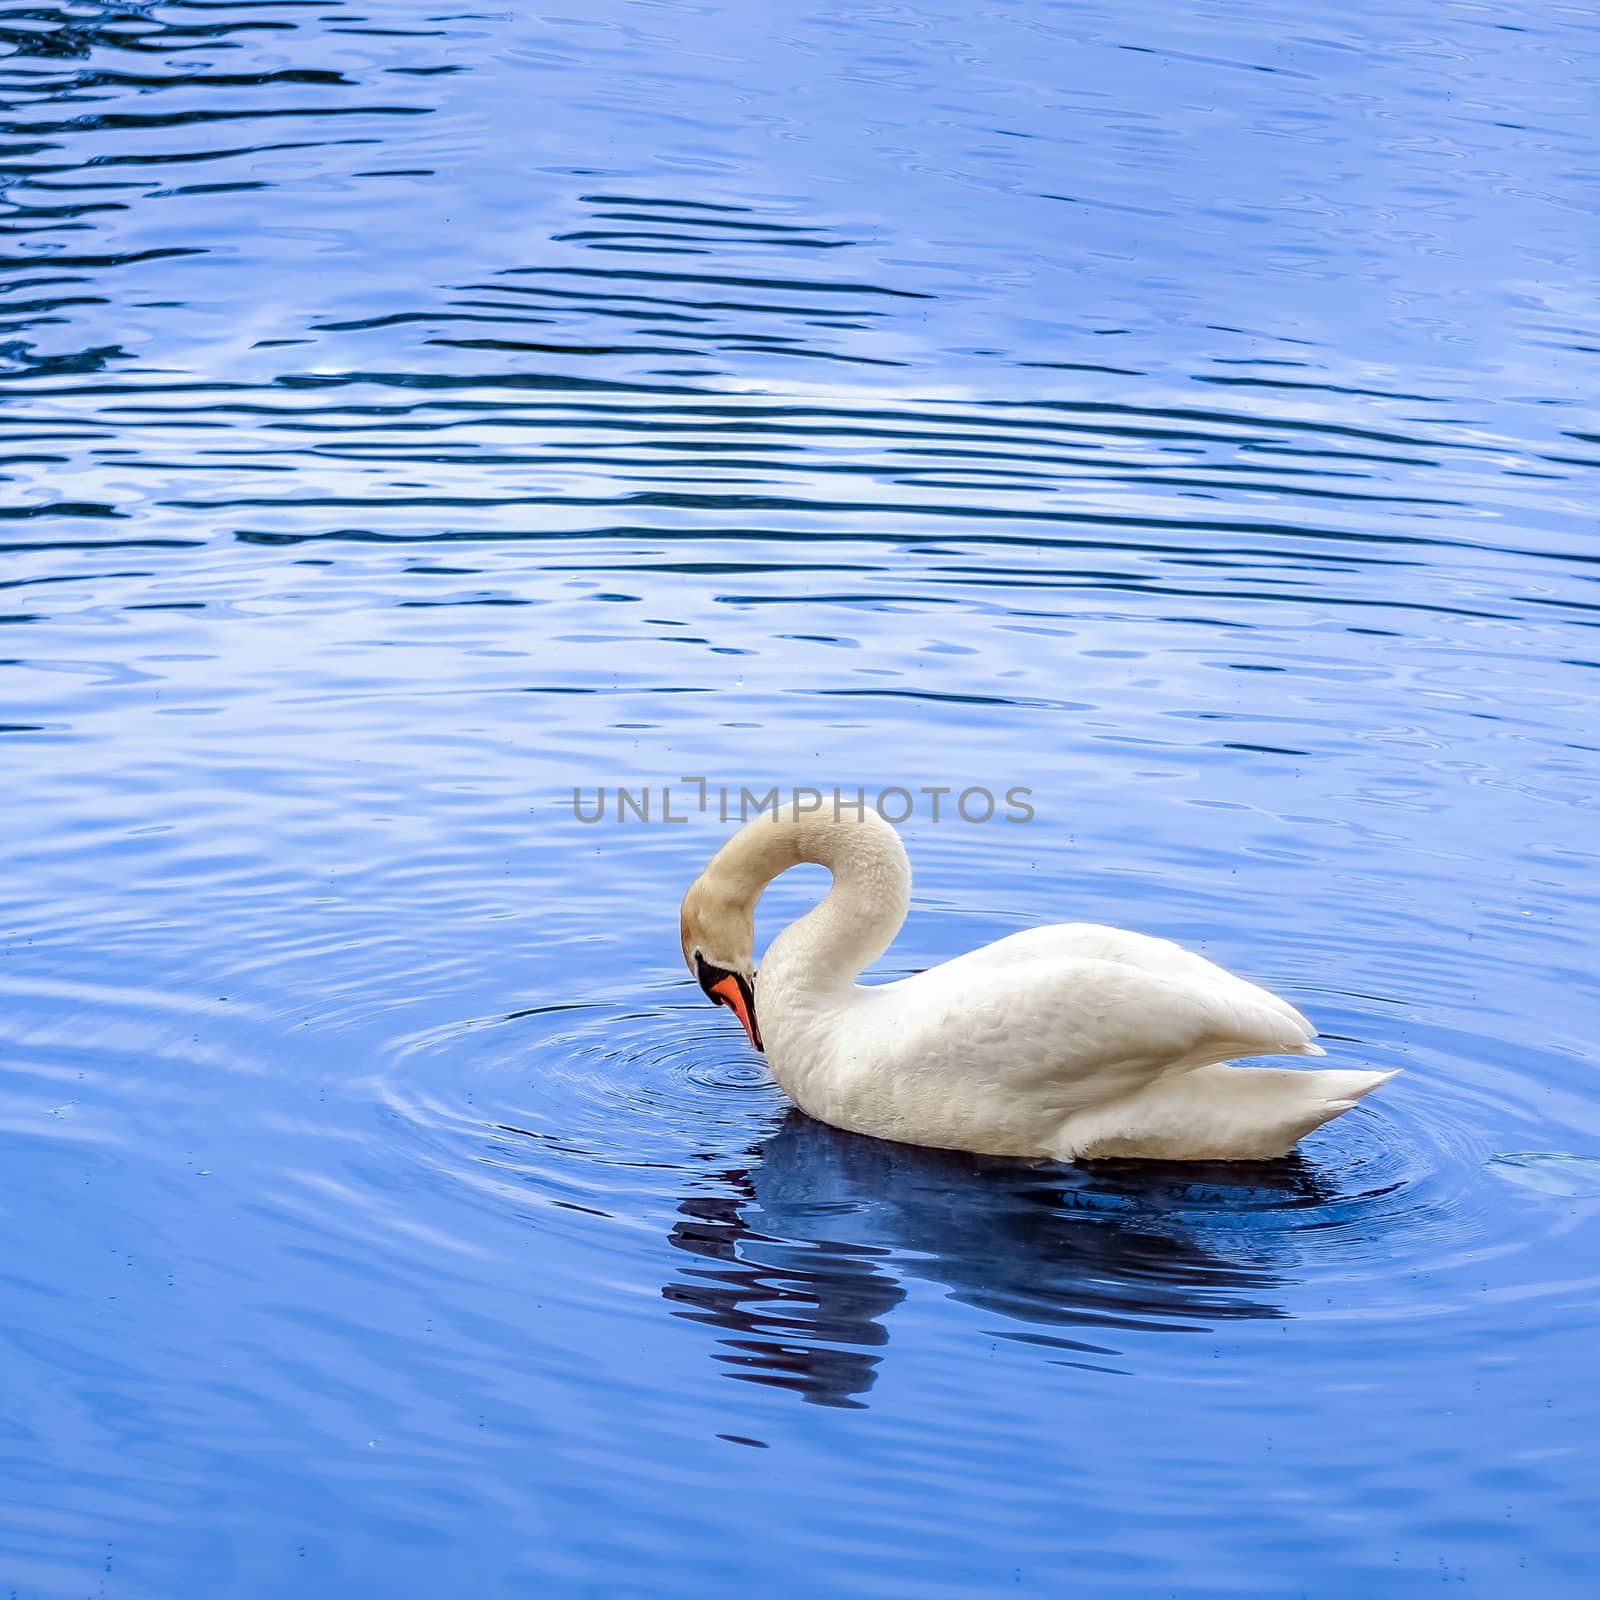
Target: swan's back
{"x":1159,"y":958}
{"x":1077,"y":1040}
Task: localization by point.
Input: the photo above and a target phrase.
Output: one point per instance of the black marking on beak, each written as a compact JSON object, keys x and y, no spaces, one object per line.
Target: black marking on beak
{"x":724,"y":987}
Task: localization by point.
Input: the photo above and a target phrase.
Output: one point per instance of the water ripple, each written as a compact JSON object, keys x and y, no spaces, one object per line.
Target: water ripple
{"x":407,"y":418}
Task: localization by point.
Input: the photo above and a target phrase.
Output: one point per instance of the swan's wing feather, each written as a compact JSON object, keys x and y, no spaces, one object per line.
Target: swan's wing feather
{"x":1061,"y":941}
{"x":1082,"y":1031}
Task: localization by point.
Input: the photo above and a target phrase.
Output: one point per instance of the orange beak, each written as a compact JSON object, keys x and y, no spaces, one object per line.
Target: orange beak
{"x":731,"y":993}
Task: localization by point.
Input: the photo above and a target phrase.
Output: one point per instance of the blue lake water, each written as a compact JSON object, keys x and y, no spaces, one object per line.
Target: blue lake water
{"x":412,"y":412}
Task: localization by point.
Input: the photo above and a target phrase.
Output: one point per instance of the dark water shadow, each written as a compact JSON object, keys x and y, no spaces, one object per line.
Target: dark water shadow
{"x":800,"y":1257}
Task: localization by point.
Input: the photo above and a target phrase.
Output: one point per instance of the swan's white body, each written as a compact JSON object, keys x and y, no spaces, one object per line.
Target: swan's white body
{"x":1065,"y":1042}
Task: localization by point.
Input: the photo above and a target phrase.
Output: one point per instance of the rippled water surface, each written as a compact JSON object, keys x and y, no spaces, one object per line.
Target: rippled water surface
{"x":412,"y":412}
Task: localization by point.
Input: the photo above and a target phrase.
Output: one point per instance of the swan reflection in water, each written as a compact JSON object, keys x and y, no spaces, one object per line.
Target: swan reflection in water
{"x":800,"y":1256}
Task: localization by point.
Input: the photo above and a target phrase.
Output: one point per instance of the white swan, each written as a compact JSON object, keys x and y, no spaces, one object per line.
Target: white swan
{"x":1067,"y":1042}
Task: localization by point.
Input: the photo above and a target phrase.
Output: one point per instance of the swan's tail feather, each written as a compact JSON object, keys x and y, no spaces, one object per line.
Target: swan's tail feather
{"x":1221,"y":1113}
{"x":1341,"y":1089}
{"x":1309,"y":1099}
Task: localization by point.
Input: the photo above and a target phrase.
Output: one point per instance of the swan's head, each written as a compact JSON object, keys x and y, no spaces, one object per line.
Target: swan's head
{"x":718,"y":930}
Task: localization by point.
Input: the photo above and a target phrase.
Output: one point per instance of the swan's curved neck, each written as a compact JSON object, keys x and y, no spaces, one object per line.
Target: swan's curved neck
{"x":861,"y":913}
